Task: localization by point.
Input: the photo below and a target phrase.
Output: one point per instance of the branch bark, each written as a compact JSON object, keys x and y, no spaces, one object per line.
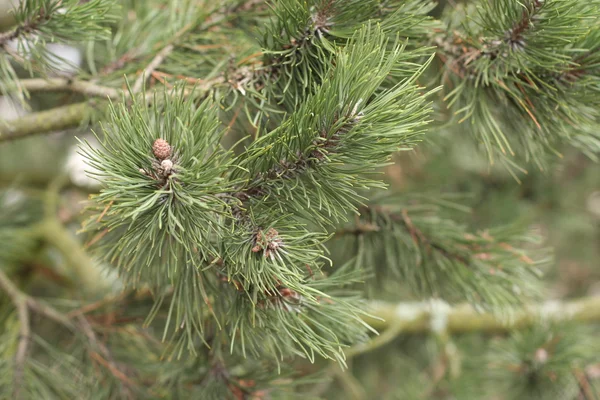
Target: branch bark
{"x":43,"y":122}
{"x":68,"y":85}
{"x":418,"y":317}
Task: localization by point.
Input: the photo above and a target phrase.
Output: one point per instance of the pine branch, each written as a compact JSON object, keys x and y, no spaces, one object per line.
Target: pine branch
{"x":155,"y":63}
{"x":514,"y":36}
{"x":413,"y":318}
{"x":435,"y":256}
{"x":106,"y":358}
{"x":29,"y":26}
{"x":522,"y":55}
{"x":42,"y":122}
{"x":70,"y":85}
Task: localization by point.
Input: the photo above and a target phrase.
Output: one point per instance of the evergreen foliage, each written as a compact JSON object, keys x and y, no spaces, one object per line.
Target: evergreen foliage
{"x":241,"y":229}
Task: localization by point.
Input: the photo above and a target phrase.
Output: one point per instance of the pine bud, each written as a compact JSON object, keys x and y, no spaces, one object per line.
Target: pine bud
{"x":161,"y":149}
{"x":167,"y":166}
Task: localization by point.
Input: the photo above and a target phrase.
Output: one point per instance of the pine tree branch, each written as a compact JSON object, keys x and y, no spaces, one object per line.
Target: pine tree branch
{"x":422,"y":317}
{"x":106,"y":358}
{"x":42,"y":122}
{"x":287,"y":169}
{"x":27,"y":28}
{"x":404,"y":220}
{"x":160,"y":57}
{"x":514,"y":36}
{"x":68,"y":85}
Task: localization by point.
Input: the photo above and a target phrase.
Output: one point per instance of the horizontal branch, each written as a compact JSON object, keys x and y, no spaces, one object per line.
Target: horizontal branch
{"x":42,"y":122}
{"x":69,"y":85}
{"x":438,"y":316}
{"x":72,"y":115}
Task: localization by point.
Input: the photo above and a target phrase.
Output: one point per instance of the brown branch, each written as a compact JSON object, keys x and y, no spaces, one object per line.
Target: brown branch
{"x":155,"y":63}
{"x":105,"y":359}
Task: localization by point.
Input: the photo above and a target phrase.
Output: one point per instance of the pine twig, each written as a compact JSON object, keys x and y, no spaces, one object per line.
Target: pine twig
{"x":17,"y":296}
{"x":6,"y":37}
{"x":168,"y":49}
{"x":105,"y":358}
{"x":25,"y":29}
{"x":155,"y":63}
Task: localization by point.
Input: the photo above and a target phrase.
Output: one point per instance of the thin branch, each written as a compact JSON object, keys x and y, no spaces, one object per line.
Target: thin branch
{"x":105,"y":359}
{"x":403,"y":219}
{"x":6,"y":37}
{"x":168,"y":49}
{"x":68,"y":85}
{"x":17,"y":297}
{"x":25,"y":29}
{"x":386,"y":337}
{"x":155,"y":63}
{"x":23,"y":303}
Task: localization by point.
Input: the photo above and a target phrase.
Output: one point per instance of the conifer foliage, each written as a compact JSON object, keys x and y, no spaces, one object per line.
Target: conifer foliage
{"x":240,"y":226}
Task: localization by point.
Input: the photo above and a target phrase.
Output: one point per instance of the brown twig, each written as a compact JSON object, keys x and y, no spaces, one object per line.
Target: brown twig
{"x":155,"y":63}
{"x":404,"y":220}
{"x":105,"y":358}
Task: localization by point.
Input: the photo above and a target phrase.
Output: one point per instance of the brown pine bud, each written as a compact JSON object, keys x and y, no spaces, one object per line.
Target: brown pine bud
{"x":161,"y":149}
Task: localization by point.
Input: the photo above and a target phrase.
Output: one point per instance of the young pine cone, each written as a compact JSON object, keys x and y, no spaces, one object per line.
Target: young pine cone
{"x":161,"y":149}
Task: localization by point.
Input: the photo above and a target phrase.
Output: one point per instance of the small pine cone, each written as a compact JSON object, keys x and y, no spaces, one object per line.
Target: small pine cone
{"x":161,"y":149}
